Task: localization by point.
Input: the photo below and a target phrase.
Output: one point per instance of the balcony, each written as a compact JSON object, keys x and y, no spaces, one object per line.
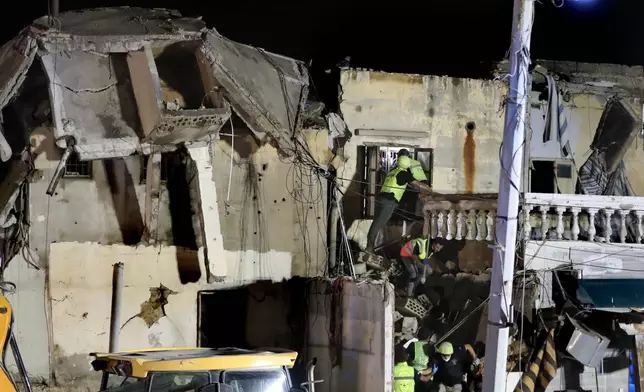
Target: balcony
{"x":544,"y":216}
{"x":608,"y":219}
{"x":460,"y":217}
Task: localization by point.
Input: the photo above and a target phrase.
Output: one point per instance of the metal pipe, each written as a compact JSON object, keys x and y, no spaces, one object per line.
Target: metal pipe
{"x":117,"y":290}
{"x":60,"y":169}
{"x":310,"y":376}
{"x":55,"y":8}
{"x":333,"y":234}
{"x":115,"y":316}
{"x":19,"y":363}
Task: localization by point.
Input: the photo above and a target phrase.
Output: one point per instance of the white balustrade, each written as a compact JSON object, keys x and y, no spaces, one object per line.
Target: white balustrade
{"x":460,"y":217}
{"x":582,"y":217}
{"x":543,"y":217}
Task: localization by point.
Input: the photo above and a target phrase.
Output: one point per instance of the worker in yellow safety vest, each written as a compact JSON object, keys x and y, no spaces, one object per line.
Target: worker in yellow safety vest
{"x":392,"y":191}
{"x":415,"y":255}
{"x":418,"y":350}
{"x":403,"y":373}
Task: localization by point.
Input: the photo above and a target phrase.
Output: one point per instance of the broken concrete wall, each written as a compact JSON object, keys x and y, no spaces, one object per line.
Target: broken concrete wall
{"x":93,"y":101}
{"x":274,"y":219}
{"x":106,"y":208}
{"x":88,"y":210}
{"x":265,"y":192}
{"x":353,"y":345}
{"x":583,"y":111}
{"x":80,"y":286}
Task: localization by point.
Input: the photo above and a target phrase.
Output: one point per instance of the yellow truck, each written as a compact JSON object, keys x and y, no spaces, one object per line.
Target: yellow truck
{"x":199,"y":370}
{"x":174,"y":369}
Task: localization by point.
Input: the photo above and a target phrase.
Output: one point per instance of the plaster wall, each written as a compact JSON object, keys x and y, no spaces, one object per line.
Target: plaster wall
{"x":430,"y":112}
{"x":438,"y":108}
{"x":362,"y":360}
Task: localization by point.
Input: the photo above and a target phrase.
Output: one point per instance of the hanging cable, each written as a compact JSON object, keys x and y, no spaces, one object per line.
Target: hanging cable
{"x":232,"y":158}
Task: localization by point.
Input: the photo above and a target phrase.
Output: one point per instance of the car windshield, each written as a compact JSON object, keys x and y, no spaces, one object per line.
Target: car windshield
{"x":125,"y":384}
{"x":274,"y":380}
{"x":178,"y":381}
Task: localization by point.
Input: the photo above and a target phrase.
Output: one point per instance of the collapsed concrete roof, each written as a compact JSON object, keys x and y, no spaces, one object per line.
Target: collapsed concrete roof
{"x":108,"y":90}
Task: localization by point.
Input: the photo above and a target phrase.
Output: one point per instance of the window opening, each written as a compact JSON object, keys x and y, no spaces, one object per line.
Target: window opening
{"x":377,"y":161}
{"x":75,"y":168}
{"x":552,"y":176}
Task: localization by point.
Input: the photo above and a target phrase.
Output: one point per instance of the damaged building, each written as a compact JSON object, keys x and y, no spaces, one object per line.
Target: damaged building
{"x":142,"y":137}
{"x":580,"y":220}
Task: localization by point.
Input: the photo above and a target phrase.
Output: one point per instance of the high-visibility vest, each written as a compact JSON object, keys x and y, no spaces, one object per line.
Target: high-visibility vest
{"x":420,"y":358}
{"x":417,"y":171}
{"x":408,"y":249}
{"x":403,"y":378}
{"x":391,"y":184}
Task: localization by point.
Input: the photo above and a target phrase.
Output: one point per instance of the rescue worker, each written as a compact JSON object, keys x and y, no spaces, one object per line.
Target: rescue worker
{"x":403,"y":373}
{"x":416,"y":257}
{"x":392,"y":192}
{"x":417,"y":350}
{"x":451,"y":366}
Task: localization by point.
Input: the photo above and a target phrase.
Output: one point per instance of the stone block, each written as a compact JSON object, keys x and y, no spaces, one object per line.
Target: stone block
{"x":410,"y":307}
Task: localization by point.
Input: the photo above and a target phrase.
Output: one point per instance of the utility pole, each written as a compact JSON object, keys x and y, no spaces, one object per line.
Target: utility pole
{"x":500,"y":313}
{"x":55,"y":8}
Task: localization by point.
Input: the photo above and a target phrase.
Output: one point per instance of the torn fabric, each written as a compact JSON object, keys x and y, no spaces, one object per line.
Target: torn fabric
{"x":542,"y":369}
{"x":556,"y":122}
{"x":337,"y":128}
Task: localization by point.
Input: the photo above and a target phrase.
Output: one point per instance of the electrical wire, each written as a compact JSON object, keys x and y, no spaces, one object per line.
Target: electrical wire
{"x":232,"y":159}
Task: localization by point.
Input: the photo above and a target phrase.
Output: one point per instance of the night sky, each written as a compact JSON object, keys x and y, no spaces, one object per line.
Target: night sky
{"x":454,"y":37}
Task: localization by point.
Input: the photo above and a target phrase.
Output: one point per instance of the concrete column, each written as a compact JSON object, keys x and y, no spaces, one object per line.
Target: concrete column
{"x":152,"y":190}
{"x":213,"y":244}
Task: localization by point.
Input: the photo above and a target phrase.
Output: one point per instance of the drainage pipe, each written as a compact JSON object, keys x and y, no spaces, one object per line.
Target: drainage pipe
{"x":115,"y":317}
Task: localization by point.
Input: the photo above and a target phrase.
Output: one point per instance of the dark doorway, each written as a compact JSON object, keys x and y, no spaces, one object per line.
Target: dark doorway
{"x":542,"y":177}
{"x":263,"y":314}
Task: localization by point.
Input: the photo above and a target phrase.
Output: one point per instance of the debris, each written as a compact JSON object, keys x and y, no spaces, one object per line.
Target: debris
{"x":411,"y":307}
{"x":373,"y":261}
{"x":424,"y":301}
{"x":154,"y":308}
{"x":409,"y":327}
{"x":397,"y":316}
{"x":360,"y":268}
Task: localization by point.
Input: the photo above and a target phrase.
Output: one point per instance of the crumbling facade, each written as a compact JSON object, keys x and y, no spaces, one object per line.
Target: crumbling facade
{"x":580,"y":221}
{"x":582,"y":216}
{"x":138,"y":136}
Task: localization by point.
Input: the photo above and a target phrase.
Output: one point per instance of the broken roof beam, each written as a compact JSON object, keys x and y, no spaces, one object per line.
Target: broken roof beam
{"x":266,"y":90}
{"x":117,"y":29}
{"x":160,"y":125}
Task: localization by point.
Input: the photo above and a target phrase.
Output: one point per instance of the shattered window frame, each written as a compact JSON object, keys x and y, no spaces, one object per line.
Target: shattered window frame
{"x":75,"y":168}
